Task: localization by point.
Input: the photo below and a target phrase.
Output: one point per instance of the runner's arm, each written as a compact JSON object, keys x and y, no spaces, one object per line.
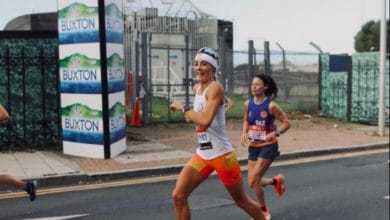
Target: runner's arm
{"x":281,"y":116}
{"x":244,"y":137}
{"x":215,"y":97}
{"x":228,"y":103}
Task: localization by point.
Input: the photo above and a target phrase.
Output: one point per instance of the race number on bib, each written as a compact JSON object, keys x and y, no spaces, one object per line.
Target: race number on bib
{"x":203,"y":139}
{"x":257,"y":133}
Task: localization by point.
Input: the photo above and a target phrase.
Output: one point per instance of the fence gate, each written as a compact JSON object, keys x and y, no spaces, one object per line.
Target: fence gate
{"x":349,"y":87}
{"x":165,"y":72}
{"x":335,"y":95}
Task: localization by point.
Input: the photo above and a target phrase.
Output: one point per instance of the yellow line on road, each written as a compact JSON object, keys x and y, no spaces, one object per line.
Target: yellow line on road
{"x":91,"y":186}
{"x":173,"y":177}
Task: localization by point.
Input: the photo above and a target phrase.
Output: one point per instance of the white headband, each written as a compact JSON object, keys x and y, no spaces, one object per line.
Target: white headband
{"x":205,"y":57}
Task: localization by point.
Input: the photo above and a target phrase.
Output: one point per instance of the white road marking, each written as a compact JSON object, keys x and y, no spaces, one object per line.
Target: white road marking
{"x":386,"y":197}
{"x":58,"y":217}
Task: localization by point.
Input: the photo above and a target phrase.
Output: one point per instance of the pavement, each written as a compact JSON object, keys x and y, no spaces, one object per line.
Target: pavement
{"x":53,"y":168}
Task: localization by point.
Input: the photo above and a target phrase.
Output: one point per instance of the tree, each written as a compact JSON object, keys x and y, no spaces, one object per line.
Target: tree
{"x":368,"y":38}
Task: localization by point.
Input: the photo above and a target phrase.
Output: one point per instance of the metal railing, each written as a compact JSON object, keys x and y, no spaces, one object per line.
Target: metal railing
{"x":29,"y":91}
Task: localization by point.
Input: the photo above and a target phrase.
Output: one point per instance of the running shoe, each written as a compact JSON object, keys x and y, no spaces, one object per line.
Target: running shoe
{"x":30,"y":189}
{"x":266,"y":214}
{"x":279,"y":185}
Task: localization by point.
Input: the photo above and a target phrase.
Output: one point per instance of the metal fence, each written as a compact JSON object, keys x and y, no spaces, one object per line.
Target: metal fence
{"x":349,"y":87}
{"x":165,"y":74}
{"x":296,"y":74}
{"x":29,"y":84}
{"x":29,"y":90}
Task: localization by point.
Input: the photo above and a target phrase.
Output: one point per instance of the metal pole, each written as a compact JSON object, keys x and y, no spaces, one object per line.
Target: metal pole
{"x":250,"y":62}
{"x":222,"y":52}
{"x":316,"y":46}
{"x":136,"y":68}
{"x":149,"y":84}
{"x":144,"y":74}
{"x":168,"y":81}
{"x":320,"y":69}
{"x":24,"y":97}
{"x":284,"y":72}
{"x":267,"y":58}
{"x":381,"y":101}
{"x":187,"y":72}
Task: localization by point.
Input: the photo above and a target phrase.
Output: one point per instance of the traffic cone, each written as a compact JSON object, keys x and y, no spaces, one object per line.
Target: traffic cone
{"x":135,"y":119}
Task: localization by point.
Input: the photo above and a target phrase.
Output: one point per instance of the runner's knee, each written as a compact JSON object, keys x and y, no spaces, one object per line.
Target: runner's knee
{"x":255,"y":183}
{"x":179,"y":198}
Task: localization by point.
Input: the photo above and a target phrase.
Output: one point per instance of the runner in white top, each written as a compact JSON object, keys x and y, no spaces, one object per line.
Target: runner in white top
{"x":214,"y":152}
{"x":214,"y":138}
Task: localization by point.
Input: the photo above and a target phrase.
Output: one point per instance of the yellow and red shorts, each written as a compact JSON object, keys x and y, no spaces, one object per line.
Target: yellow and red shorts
{"x":226,"y":166}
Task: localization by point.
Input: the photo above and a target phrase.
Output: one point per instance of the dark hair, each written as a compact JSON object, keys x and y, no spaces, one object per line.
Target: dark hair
{"x":272,"y":90}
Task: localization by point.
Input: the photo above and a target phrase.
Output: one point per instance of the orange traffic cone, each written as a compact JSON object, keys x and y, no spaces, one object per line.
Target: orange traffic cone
{"x":135,"y":119}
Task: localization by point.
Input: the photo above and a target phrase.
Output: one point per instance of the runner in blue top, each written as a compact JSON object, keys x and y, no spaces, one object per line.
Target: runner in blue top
{"x":261,"y":132}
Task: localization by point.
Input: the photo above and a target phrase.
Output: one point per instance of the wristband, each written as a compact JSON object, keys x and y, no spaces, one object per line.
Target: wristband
{"x":277,"y":133}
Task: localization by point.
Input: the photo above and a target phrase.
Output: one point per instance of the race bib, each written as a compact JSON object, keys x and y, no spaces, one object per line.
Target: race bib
{"x":257,"y":133}
{"x":203,"y":139}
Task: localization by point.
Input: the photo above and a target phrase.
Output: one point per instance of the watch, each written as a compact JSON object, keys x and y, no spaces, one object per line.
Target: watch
{"x":277,"y":133}
{"x":185,"y":109}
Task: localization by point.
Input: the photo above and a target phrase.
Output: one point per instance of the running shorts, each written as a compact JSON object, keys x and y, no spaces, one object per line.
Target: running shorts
{"x":267,"y":152}
{"x":226,"y":166}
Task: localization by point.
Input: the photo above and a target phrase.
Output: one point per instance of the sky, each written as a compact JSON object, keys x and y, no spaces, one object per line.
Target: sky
{"x":293,"y":24}
{"x":330,"y":24}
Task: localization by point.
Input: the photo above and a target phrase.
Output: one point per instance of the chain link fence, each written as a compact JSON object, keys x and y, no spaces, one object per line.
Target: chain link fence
{"x":166,"y":75}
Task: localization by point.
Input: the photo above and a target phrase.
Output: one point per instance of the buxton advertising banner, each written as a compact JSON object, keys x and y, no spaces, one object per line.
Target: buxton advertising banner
{"x":92,"y":79}
{"x":82,"y":125}
{"x":78,"y":21}
{"x":115,"y":68}
{"x":115,"y":74}
{"x":114,"y":21}
{"x":117,"y":123}
{"x":80,"y":68}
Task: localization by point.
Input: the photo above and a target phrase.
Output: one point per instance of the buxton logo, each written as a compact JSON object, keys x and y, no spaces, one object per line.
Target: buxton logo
{"x":117,"y":122}
{"x":115,"y":73}
{"x":78,"y":23}
{"x":80,"y":74}
{"x":114,"y":24}
{"x":82,"y":124}
{"x":114,"y":18}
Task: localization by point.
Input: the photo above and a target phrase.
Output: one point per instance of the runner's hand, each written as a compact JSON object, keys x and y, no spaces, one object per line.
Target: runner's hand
{"x":176,"y":106}
{"x":244,"y":140}
{"x":187,"y":119}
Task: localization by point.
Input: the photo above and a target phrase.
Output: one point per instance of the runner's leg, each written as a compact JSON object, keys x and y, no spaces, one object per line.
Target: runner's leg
{"x":243,"y":201}
{"x":187,"y":181}
{"x":256,"y":171}
{"x":12,"y":181}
